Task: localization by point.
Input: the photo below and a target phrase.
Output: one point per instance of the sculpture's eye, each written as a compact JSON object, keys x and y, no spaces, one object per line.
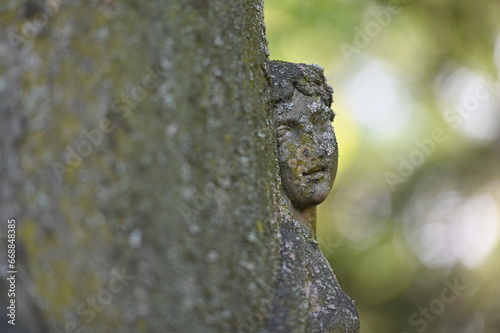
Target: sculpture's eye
{"x":283,"y":129}
{"x":282,"y":132}
{"x":323,"y":117}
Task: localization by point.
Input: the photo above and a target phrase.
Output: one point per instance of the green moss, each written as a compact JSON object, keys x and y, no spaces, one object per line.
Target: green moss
{"x":260,"y":226}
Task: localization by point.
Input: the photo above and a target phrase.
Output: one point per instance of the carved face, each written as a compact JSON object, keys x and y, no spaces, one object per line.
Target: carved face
{"x":307,"y":149}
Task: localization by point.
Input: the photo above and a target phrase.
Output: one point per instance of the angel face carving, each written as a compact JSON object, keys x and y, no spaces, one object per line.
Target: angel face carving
{"x":307,"y":147}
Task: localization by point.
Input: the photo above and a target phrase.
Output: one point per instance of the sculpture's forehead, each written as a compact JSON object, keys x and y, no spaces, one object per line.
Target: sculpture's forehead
{"x":300,"y":108}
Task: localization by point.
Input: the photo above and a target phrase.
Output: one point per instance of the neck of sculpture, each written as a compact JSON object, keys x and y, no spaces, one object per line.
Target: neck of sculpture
{"x":306,"y":217}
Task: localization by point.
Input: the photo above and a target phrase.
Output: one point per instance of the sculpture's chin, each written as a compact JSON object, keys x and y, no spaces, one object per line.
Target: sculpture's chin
{"x":312,"y":196}
{"x":318,"y":197}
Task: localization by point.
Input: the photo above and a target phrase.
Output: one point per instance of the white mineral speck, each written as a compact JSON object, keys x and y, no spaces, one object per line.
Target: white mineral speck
{"x":212,"y":256}
{"x":135,"y":238}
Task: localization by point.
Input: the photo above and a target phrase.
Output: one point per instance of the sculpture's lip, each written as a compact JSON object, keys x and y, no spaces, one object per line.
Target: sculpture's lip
{"x":317,"y":168}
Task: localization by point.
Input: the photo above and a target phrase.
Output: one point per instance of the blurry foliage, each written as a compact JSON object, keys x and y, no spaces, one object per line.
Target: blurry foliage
{"x":415,"y":207}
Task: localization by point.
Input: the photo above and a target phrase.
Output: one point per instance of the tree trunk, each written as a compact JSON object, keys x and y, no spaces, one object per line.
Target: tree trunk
{"x":136,"y":162}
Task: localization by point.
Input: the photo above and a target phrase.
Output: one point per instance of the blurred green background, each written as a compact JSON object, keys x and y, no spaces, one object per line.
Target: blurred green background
{"x":412,"y":226}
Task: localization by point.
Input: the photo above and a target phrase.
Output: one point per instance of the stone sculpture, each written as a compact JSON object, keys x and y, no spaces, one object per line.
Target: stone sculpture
{"x":307,"y":156}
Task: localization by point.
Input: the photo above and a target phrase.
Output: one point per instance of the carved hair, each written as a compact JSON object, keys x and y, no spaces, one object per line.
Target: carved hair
{"x":308,"y":79}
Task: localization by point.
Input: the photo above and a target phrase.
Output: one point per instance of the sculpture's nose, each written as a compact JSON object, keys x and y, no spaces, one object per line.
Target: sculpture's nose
{"x":312,"y":146}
